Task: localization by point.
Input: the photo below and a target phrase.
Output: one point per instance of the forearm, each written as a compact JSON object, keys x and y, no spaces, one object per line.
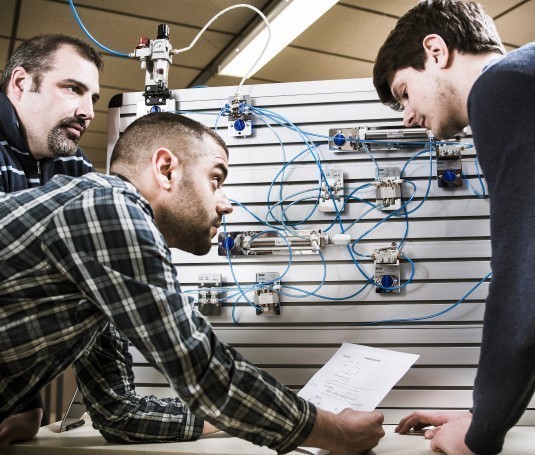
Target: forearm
{"x":505,"y":378}
{"x":106,"y":380}
{"x":146,"y":419}
{"x":350,"y":432}
{"x":244,"y":401}
{"x":324,"y":433}
{"x":503,"y":388}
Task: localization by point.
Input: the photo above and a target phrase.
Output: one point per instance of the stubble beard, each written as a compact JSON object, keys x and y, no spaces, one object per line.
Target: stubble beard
{"x":453,"y":124}
{"x":187,"y":224}
{"x":60,"y":141}
{"x":448,"y":130}
{"x":183,"y":232}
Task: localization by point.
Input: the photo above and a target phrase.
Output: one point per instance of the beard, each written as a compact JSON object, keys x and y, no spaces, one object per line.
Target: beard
{"x":448,"y":130}
{"x":187,"y":225}
{"x":60,"y":141}
{"x":450,"y":99}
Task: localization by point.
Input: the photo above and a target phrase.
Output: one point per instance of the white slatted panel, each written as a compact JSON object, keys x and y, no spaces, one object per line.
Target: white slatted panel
{"x":448,"y":240}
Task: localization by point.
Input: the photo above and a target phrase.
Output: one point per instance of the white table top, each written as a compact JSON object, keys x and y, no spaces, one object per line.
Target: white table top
{"x":87,"y":441}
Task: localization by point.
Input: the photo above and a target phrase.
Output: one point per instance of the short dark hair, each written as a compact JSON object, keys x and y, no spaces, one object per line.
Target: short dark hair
{"x":160,"y":129}
{"x":35,"y":55}
{"x":464,"y":26}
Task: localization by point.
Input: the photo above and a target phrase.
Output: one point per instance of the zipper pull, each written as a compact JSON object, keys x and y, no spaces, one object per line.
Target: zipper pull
{"x":39,"y":173}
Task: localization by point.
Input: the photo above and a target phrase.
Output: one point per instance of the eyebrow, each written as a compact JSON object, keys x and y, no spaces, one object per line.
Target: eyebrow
{"x":94,"y":96}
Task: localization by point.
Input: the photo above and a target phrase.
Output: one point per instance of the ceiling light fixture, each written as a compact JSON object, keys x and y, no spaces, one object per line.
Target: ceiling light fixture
{"x":289,"y":19}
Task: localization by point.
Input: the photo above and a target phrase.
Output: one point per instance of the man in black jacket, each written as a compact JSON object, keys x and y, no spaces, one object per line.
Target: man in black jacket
{"x":48,"y":89}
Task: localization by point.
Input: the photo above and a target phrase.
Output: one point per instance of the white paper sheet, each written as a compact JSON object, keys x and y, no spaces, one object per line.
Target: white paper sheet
{"x":356,"y":377}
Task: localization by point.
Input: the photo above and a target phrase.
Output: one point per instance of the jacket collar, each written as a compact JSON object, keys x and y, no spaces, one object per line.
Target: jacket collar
{"x":10,"y":126}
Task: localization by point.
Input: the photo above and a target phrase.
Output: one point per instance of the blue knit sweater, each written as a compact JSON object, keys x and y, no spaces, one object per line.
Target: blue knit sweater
{"x":501,"y":108}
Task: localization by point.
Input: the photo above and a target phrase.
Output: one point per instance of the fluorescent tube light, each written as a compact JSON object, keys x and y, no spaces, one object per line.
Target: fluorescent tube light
{"x":291,"y":19}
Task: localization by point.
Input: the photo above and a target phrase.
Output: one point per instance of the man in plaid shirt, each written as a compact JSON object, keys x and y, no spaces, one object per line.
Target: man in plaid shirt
{"x":47,"y":92}
{"x":79,"y":253}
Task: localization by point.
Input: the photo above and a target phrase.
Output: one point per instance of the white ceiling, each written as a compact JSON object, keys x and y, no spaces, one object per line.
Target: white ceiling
{"x":341,"y":45}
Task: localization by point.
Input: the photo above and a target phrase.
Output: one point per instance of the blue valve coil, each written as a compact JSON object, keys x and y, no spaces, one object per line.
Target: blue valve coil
{"x":387,"y":281}
{"x":339,"y":140}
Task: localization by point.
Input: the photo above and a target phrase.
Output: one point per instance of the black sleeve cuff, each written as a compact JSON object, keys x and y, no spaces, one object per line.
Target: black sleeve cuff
{"x":34,"y":403}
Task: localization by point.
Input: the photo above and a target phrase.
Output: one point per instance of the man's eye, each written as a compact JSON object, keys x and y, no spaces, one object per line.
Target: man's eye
{"x":73,"y":89}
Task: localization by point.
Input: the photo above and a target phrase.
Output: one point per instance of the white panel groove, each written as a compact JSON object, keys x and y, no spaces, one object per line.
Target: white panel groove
{"x":448,"y":239}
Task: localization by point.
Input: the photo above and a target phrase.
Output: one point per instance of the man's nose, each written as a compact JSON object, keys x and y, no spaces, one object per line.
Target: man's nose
{"x":224,"y":207}
{"x":409,"y":118}
{"x":85,"y":109}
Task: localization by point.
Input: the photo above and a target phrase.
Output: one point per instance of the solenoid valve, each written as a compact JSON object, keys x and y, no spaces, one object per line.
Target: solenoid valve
{"x":209,"y":294}
{"x":238,"y":110}
{"x":267,"y":296}
{"x":388,"y":188}
{"x":449,"y":165}
{"x":332,"y":191}
{"x":387,"y":269}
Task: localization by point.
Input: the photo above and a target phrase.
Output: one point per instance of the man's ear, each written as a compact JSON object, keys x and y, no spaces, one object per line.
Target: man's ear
{"x":165,"y":168}
{"x":436,"y":50}
{"x":20,"y":81}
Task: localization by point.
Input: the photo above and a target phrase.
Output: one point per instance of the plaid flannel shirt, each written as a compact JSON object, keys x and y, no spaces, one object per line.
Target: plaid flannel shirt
{"x":105,"y":377}
{"x":79,"y":252}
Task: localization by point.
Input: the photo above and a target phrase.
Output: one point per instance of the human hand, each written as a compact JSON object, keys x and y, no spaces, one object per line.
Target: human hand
{"x":447,"y":435}
{"x":421,"y":419}
{"x":20,"y":427}
{"x":347,"y":433}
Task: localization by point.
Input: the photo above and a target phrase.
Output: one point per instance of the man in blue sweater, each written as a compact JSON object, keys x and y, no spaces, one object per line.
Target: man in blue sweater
{"x":444,"y":66}
{"x":48,"y":90}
